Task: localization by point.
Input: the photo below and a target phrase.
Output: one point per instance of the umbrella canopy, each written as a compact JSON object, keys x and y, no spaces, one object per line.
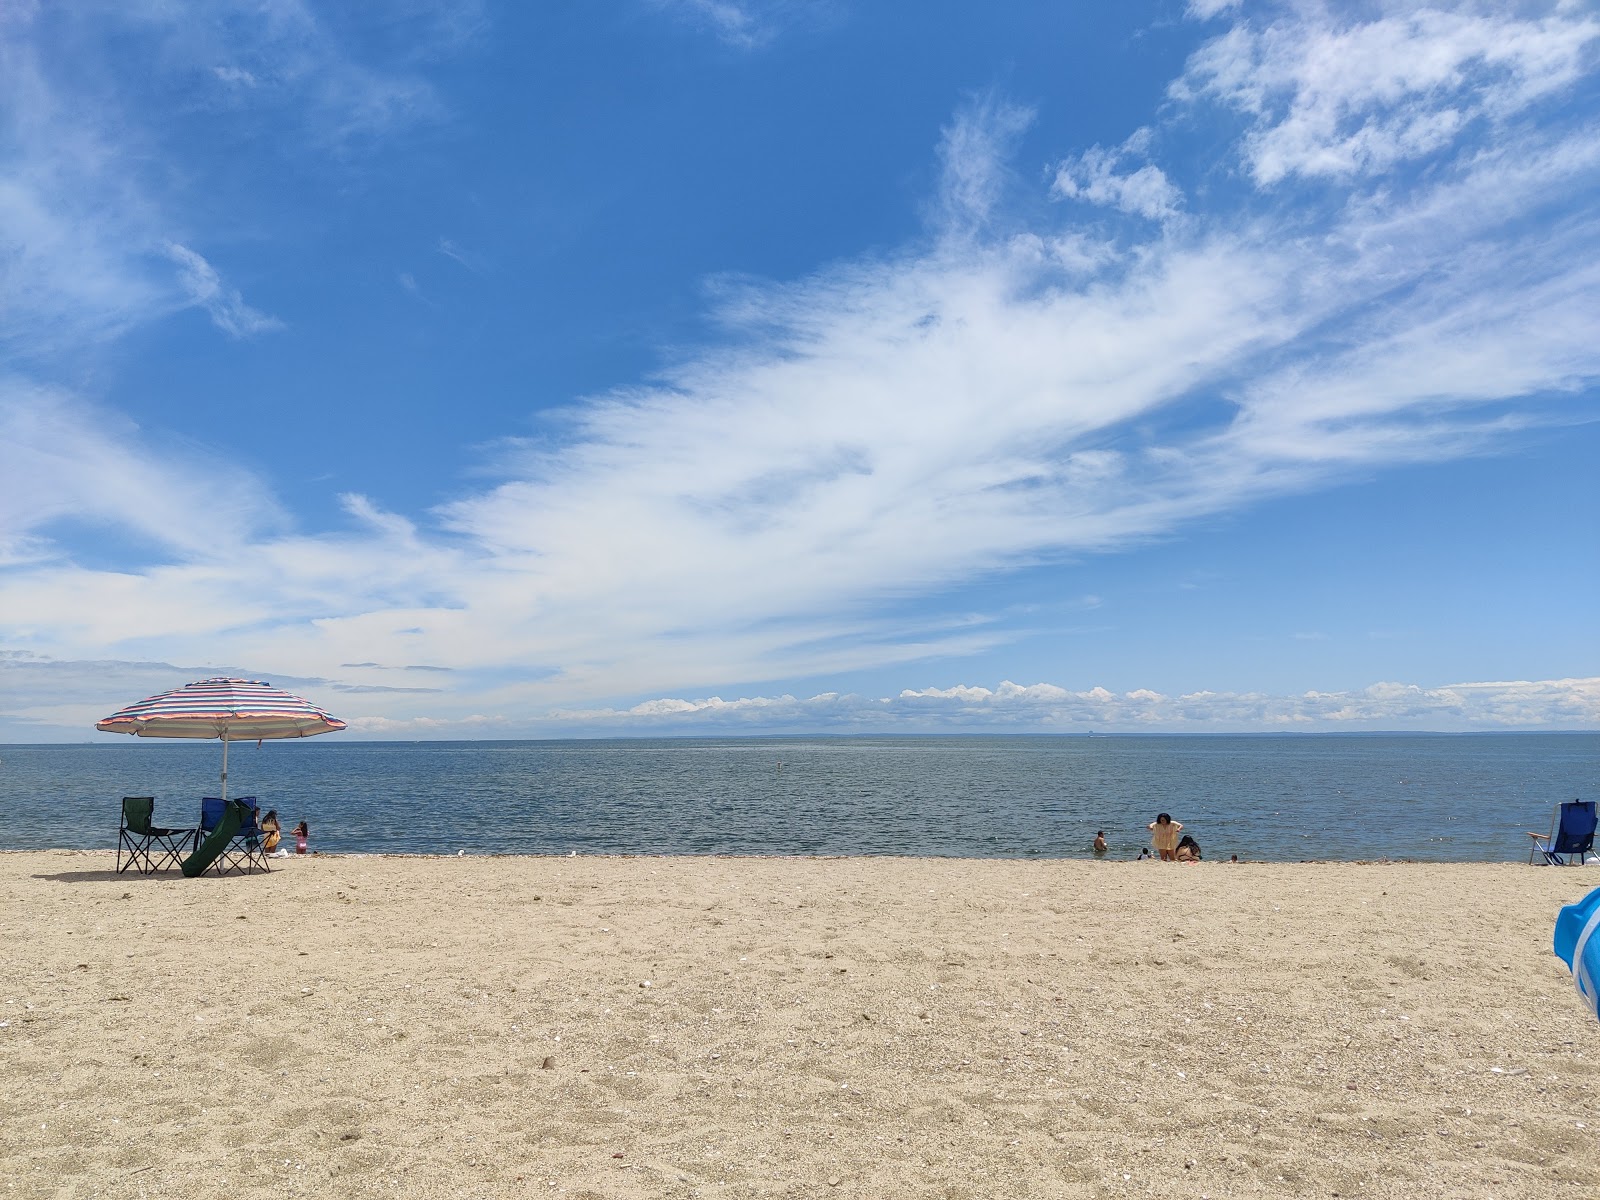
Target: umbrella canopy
{"x":233,"y":710}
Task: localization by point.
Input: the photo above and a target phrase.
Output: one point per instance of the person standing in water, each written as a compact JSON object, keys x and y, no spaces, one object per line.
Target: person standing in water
{"x":1164,"y":836}
{"x":1100,"y":841}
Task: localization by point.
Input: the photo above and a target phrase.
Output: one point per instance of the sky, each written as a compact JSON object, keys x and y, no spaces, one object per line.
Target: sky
{"x":670,"y":367}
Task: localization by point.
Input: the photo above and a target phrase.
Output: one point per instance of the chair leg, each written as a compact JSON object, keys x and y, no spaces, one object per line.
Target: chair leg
{"x":138,"y":854}
{"x":171,"y":853}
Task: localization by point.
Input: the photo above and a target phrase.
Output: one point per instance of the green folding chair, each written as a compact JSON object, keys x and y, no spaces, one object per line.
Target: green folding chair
{"x":145,"y":846}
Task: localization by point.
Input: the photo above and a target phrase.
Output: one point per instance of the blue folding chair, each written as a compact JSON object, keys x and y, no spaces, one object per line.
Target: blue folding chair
{"x":243,"y":850}
{"x":1571,"y":836}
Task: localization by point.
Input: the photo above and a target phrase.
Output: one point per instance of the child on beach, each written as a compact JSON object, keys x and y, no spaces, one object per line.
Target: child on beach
{"x":271,"y":831}
{"x":1165,"y":836}
{"x":302,"y":835}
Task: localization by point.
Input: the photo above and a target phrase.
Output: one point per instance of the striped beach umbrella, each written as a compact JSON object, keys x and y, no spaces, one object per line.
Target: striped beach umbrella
{"x":231,"y":710}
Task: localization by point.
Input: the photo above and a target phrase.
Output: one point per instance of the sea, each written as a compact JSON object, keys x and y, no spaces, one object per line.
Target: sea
{"x":1284,"y":797}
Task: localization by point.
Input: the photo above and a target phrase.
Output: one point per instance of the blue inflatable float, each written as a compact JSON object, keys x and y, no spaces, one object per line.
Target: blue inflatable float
{"x":1577,"y":944}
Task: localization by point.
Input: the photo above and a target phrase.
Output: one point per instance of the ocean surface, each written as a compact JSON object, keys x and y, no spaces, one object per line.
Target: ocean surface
{"x":1435,"y":798}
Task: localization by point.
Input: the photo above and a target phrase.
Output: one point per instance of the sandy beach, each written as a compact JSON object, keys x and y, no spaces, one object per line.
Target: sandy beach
{"x":632,"y":1027}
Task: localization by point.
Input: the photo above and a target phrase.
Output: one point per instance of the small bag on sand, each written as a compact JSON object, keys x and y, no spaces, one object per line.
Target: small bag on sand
{"x":1577,"y":943}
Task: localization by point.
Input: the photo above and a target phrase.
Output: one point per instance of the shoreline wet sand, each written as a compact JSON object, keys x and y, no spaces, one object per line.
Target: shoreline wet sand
{"x":641,"y":1026}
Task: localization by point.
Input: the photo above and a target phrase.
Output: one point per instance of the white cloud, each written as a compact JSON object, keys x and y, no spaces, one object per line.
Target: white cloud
{"x":282,"y":53}
{"x":1077,"y":255}
{"x":89,"y":227}
{"x":1094,"y":178}
{"x":974,"y":152}
{"x":74,"y":241}
{"x":1203,"y":10}
{"x":1043,"y":707}
{"x":204,"y":287}
{"x":454,"y":252}
{"x":746,"y":24}
{"x":734,"y":23}
{"x":64,"y":460}
{"x":1338,"y":98}
{"x":409,"y":285}
{"x":64,"y":699}
{"x":392,"y":526}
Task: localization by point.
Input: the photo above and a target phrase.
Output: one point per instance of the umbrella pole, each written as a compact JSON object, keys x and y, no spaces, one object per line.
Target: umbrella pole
{"x":224,"y":766}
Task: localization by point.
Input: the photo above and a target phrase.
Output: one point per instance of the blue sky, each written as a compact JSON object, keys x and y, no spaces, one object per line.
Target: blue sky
{"x":700,"y":366}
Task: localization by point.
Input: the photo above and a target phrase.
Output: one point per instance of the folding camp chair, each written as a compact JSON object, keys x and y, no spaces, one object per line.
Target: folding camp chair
{"x":143,"y":845}
{"x":242,"y":851}
{"x":219,"y":822}
{"x":1571,"y":836}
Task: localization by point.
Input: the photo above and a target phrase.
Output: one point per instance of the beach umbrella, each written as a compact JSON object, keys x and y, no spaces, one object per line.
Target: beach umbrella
{"x":232,"y":710}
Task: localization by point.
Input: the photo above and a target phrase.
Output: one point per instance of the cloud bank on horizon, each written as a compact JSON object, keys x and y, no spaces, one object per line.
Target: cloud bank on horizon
{"x":61,"y":693}
{"x":1342,"y":242}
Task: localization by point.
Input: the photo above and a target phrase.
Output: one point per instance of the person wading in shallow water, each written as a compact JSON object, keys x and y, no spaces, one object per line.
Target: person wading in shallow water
{"x":1164,"y":835}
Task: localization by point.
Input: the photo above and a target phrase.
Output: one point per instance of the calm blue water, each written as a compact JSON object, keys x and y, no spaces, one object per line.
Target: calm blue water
{"x":1436,"y":798}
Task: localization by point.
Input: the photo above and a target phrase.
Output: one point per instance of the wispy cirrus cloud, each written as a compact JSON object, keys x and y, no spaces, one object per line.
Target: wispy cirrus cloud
{"x":292,"y":56}
{"x":74,"y":228}
{"x":94,"y":237}
{"x":975,"y":154}
{"x":746,"y":24}
{"x":204,"y":287}
{"x":1328,"y":98}
{"x":63,"y":460}
{"x":1205,"y":9}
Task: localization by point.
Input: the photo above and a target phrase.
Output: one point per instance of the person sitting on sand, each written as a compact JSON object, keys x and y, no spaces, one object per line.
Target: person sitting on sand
{"x":1100,"y":842}
{"x":1165,"y":831}
{"x":1188,"y":850}
{"x":302,"y":836}
{"x":271,"y":831}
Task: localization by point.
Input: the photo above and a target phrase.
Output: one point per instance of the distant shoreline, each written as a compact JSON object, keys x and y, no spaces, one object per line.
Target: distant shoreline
{"x":1097,"y":735}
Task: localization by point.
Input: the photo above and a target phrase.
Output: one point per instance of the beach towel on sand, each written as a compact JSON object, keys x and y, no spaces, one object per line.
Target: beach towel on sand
{"x":1577,"y":944}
